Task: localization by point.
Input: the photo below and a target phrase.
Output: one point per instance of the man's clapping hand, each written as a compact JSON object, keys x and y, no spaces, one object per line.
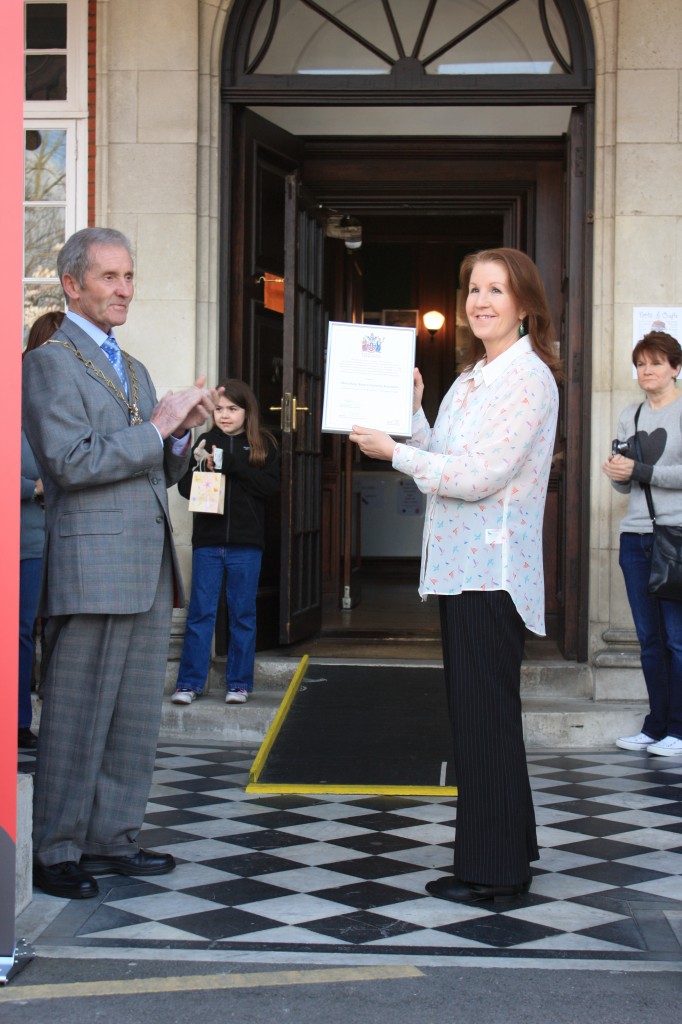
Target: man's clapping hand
{"x":179,"y":411}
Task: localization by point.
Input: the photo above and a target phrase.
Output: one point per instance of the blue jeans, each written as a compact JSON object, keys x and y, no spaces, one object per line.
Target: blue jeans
{"x":241,"y":565}
{"x":659,"y":630}
{"x":30,"y":575}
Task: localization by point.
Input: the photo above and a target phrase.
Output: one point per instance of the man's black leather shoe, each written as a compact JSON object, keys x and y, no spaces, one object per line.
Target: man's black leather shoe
{"x":65,"y":879}
{"x":144,"y":862}
{"x":450,"y":888}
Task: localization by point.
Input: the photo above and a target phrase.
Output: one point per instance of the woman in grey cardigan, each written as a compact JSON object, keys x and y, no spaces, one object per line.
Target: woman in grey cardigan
{"x":657,"y":358}
{"x":32,"y":545}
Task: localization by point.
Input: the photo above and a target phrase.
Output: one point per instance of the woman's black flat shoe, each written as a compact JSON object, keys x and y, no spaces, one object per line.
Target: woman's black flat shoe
{"x":450,"y":888}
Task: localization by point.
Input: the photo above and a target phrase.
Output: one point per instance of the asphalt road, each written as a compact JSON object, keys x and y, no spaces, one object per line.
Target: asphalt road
{"x":54,"y":991}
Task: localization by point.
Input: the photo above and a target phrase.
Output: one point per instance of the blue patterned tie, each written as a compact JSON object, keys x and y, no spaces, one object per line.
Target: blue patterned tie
{"x":113,"y":354}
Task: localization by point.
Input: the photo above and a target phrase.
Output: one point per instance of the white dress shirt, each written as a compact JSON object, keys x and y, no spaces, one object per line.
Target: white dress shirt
{"x":485,"y":466}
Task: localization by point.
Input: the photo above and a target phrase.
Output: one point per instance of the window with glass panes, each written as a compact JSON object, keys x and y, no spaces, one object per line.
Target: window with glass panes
{"x":55,"y":124}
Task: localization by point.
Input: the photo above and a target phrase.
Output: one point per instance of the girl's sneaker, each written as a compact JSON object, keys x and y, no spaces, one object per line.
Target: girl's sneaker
{"x":184,"y":697}
{"x":669,"y":746}
{"x":236,"y":697}
{"x":639,"y":742}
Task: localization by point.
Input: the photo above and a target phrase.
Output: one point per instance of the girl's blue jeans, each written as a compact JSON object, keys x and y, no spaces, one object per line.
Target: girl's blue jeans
{"x":239,"y":564}
{"x":659,"y":631}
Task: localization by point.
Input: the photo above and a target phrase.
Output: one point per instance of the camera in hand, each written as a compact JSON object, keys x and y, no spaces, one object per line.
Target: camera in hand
{"x":620,"y":447}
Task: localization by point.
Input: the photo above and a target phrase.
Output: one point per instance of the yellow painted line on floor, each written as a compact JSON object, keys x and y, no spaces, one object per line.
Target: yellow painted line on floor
{"x":278,"y":721}
{"x":333,"y":789}
{"x":204,"y":983}
{"x":329,"y":789}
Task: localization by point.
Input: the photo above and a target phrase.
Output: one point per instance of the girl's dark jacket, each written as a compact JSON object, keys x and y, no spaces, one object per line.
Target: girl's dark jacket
{"x":246,"y":489}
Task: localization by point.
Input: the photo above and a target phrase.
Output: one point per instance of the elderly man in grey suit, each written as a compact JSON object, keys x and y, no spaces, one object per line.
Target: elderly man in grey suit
{"x":108,"y":450}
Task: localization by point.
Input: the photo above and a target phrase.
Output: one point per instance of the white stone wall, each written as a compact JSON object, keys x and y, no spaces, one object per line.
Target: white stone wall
{"x":638,"y":241}
{"x":157,"y":179}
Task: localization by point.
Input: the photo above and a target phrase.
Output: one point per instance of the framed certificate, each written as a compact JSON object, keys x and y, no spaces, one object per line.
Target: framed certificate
{"x":369,"y":378}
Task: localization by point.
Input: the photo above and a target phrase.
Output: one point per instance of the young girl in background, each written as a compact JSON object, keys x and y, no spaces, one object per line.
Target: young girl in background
{"x":231,"y":543}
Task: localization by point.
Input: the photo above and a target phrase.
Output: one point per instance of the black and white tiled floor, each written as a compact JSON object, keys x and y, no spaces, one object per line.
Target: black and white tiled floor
{"x":311,"y":877}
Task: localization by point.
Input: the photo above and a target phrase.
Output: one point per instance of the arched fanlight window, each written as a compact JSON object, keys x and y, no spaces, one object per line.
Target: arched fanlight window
{"x":389,"y":47}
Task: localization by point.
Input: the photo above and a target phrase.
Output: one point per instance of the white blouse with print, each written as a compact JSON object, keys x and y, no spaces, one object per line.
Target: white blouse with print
{"x":485,"y":466}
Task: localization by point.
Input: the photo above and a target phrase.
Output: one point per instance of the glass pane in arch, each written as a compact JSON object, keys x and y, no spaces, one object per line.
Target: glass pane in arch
{"x":358,"y":37}
{"x":368,"y":18}
{"x":305,"y":42}
{"x":511,"y":43}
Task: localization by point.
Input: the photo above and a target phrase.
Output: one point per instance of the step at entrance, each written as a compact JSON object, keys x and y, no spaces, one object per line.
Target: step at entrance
{"x":558,"y":709}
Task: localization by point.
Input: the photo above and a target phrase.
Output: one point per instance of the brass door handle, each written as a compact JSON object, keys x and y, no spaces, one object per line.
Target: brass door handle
{"x":295,"y":409}
{"x":287,"y":411}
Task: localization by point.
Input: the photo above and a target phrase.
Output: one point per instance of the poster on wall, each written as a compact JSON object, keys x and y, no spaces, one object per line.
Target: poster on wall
{"x":655,"y":318}
{"x":369,"y":378}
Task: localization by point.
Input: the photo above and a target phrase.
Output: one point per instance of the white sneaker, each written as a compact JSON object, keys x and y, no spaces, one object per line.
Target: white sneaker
{"x":669,"y":746}
{"x":639,"y":742}
{"x":183,"y":697}
{"x":236,"y":697}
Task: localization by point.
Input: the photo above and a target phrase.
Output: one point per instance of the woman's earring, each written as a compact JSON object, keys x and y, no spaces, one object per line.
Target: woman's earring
{"x":522,"y":329}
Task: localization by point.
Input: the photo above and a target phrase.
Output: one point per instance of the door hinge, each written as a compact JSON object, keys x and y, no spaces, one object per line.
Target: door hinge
{"x":284,"y":411}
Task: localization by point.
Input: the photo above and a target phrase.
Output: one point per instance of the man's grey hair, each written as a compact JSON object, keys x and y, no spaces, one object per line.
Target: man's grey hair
{"x":74,"y":256}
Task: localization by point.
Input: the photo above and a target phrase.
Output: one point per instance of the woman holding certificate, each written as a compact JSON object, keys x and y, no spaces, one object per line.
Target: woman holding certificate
{"x":484,"y":466}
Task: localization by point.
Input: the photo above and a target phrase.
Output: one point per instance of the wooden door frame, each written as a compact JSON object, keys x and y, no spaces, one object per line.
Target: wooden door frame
{"x":449,"y":174}
{"x":357,"y":185}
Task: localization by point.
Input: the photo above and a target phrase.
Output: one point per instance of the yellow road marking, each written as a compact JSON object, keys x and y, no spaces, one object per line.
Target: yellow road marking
{"x":205,"y":982}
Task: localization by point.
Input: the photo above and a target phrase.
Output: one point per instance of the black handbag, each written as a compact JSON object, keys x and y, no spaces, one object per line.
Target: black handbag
{"x":665,"y":578}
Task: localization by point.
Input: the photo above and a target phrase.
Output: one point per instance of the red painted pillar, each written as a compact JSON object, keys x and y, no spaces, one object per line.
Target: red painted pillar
{"x":11,"y":218}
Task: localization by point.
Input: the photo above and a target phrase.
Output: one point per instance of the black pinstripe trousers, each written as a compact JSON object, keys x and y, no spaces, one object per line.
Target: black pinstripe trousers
{"x":483,"y":637}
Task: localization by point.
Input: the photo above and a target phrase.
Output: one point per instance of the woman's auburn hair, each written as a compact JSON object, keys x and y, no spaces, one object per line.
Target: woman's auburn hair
{"x":661,"y":343}
{"x":528,"y":290}
{"x":239,"y":392}
{"x":42,"y":329}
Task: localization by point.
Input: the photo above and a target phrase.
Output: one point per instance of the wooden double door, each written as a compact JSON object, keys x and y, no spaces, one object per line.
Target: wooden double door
{"x":422,"y":202}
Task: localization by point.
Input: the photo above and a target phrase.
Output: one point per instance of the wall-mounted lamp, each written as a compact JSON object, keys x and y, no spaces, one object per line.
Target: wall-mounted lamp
{"x":345,"y":227}
{"x":351,"y":232}
{"x":433,"y":321}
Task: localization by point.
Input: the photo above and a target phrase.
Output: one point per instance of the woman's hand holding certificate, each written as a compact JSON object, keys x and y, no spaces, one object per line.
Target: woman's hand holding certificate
{"x":373,"y":443}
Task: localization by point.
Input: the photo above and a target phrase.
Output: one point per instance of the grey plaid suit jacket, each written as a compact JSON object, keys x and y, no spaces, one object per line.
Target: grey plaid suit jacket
{"x":105,"y":482}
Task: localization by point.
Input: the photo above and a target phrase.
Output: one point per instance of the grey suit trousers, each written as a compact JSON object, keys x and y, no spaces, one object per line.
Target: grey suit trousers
{"x":483,"y":638}
{"x":99,"y":728}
